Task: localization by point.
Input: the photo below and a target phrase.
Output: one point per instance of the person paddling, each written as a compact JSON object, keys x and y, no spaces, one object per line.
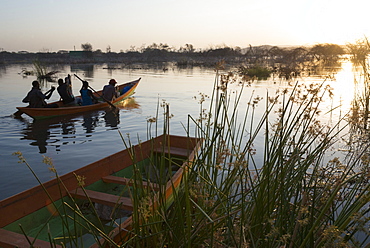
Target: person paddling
{"x":36,"y":98}
{"x":87,"y":96}
{"x":109,"y":91}
{"x":65,"y":91}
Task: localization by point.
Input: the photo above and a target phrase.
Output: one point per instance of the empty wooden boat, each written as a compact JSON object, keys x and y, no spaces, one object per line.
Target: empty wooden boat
{"x":61,"y":211}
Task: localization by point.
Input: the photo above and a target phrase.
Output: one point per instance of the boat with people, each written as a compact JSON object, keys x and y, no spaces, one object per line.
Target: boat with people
{"x":70,"y":209}
{"x":125,"y":90}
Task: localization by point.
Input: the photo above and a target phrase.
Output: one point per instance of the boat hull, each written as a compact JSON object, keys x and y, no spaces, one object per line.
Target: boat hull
{"x":110,"y":171}
{"x":43,"y":113}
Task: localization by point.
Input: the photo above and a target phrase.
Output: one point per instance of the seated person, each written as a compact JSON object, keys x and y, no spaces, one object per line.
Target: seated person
{"x":65,"y":90}
{"x":87,"y":96}
{"x":109,"y":91}
{"x":36,"y":98}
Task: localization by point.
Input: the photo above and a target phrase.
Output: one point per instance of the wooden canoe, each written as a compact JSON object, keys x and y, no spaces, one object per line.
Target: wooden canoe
{"x":126,"y":90}
{"x":104,"y":182}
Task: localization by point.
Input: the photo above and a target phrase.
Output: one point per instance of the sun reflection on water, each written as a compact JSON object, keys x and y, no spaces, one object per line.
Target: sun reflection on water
{"x":343,"y":86}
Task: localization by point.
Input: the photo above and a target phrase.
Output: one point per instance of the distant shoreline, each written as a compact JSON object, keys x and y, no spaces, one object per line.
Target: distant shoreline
{"x":193,"y":59}
{"x":251,"y":62}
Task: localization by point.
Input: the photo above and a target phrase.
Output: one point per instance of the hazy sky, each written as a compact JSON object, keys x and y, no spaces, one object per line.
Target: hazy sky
{"x":37,"y":25}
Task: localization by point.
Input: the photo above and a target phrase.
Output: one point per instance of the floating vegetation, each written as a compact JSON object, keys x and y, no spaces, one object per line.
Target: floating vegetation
{"x":254,"y":72}
{"x":42,"y":73}
{"x":24,"y":72}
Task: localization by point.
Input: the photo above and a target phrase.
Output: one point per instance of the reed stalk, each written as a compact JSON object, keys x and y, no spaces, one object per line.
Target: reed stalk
{"x":292,"y":193}
{"x":292,"y":197}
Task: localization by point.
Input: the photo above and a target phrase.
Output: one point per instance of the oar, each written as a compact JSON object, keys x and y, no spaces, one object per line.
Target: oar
{"x":111,"y":104}
{"x":18,"y":114}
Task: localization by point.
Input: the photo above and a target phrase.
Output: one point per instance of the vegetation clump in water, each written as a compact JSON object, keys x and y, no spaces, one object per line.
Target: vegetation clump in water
{"x":293,"y":193}
{"x":254,"y":72}
{"x":42,"y":74}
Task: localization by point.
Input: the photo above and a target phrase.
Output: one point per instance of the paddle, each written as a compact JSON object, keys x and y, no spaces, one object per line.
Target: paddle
{"x":111,"y":104}
{"x":18,"y":114}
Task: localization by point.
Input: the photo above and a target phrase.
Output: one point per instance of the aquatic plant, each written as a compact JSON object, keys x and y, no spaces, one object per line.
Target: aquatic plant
{"x":42,"y":73}
{"x":75,"y":218}
{"x":254,"y":72}
{"x":24,"y":72}
{"x":295,"y":192}
{"x":361,"y":100}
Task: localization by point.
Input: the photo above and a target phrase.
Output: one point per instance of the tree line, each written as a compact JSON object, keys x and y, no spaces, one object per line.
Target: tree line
{"x":326,"y":52}
{"x":286,"y":60}
{"x":262,"y":55}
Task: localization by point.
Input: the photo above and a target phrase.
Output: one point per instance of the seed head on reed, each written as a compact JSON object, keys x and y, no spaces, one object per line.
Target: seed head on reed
{"x":220,"y":65}
{"x":151,"y":119}
{"x":20,"y":157}
{"x":365,"y":159}
{"x":204,"y":115}
{"x":80,"y":180}
{"x":332,"y":235}
{"x":47,"y":160}
{"x":144,"y":208}
{"x":202,"y":97}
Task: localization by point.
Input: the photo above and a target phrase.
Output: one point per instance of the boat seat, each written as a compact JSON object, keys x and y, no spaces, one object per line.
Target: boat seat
{"x":129,"y":182}
{"x":12,"y":239}
{"x":104,"y":198}
{"x":175,"y":151}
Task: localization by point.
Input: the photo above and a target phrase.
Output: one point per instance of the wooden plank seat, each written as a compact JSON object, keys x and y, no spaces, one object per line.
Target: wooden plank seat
{"x":175,"y":151}
{"x":12,"y":239}
{"x":129,"y":182}
{"x":104,"y":198}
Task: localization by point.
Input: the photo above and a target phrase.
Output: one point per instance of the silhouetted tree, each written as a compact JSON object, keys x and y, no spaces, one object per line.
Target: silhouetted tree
{"x":326,"y":52}
{"x":87,"y":47}
{"x":188,"y":48}
{"x":359,"y":52}
{"x":109,"y":49}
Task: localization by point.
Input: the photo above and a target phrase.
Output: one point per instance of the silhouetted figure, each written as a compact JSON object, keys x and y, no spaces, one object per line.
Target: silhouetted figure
{"x":87,"y":96}
{"x":109,"y":91}
{"x":65,"y":90}
{"x":36,"y":98}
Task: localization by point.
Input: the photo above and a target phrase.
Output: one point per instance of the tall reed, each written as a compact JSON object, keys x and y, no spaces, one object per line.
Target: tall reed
{"x":361,"y":101}
{"x":74,"y":219}
{"x":292,"y":193}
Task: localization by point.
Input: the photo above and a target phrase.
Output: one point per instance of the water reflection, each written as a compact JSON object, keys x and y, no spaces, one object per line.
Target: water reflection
{"x":87,"y":69}
{"x":59,"y":131}
{"x":2,"y":70}
{"x":90,"y":121}
{"x":44,"y":133}
{"x":111,"y":118}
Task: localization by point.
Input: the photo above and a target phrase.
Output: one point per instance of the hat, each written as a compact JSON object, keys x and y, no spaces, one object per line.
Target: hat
{"x":112,"y":81}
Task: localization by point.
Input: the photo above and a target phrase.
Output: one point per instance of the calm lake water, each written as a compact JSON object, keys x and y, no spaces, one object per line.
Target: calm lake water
{"x":73,"y":142}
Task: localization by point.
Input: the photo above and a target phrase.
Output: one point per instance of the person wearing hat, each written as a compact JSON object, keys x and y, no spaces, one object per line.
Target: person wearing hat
{"x":109,"y":91}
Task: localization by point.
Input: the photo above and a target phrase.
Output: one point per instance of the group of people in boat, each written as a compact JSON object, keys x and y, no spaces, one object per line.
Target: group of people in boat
{"x":36,"y":99}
